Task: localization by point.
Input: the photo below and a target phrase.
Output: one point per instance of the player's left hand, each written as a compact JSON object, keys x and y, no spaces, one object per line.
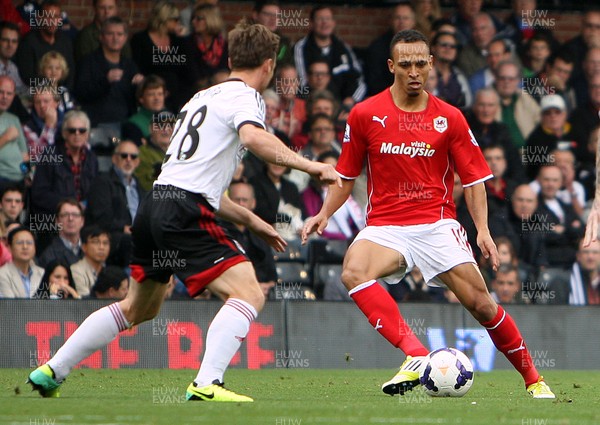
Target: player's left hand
{"x":591,"y":229}
{"x":488,"y":249}
{"x":266,"y":232}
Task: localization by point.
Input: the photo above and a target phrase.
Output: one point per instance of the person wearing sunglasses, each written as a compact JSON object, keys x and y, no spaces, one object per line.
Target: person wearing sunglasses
{"x":115,"y":199}
{"x":68,"y":172}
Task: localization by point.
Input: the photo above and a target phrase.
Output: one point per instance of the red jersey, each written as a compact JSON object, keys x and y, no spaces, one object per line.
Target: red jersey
{"x":411,"y":158}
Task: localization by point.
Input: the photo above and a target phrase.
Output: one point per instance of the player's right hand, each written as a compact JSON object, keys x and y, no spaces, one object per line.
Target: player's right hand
{"x":317,"y":223}
{"x":325,"y":173}
{"x":591,"y":229}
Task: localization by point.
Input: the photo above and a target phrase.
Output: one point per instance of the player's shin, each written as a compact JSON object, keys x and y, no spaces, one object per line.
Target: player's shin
{"x":225,"y":335}
{"x":383,"y":314}
{"x":508,"y":339}
{"x":98,"y":330}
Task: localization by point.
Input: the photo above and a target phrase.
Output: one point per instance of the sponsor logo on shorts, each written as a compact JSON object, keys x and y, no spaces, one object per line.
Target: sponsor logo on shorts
{"x":412,"y":150}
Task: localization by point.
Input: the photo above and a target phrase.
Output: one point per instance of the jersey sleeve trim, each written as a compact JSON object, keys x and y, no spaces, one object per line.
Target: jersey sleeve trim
{"x":346,"y":177}
{"x":254,"y":123}
{"x":479,"y":181}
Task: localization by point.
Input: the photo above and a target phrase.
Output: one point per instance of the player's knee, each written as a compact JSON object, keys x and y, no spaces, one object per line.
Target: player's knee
{"x":483,"y":308}
{"x":352,"y":277}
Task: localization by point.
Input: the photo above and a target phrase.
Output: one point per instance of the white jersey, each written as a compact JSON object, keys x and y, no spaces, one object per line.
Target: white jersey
{"x":205,"y":147}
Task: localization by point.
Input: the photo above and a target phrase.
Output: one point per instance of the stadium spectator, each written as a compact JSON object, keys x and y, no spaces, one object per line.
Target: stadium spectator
{"x":257,"y":250}
{"x":319,"y":78}
{"x":114,"y":201}
{"x":57,"y":282}
{"x":472,"y":56}
{"x":44,"y":37}
{"x":552,"y":132}
{"x":208,"y":43}
{"x":554,"y":79}
{"x":586,"y":171}
{"x":432,"y":82}
{"x":525,"y":23}
{"x":499,"y":189}
{"x":95,"y":244}
{"x":54,"y":70}
{"x":538,"y":50}
{"x":106,"y":79}
{"x":523,"y":227}
{"x":497,"y":51}
{"x":150,"y":94}
{"x":88,"y":38}
{"x":518,"y":110}
{"x":21,"y":277}
{"x":321,"y":43}
{"x":377,"y":71}
{"x":66,"y":246}
{"x":347,"y":221}
{"x":267,"y":13}
{"x":44,"y":122}
{"x":468,"y":11}
{"x":452,"y":85}
{"x":564,"y":226}
{"x":585,"y":275}
{"x":279,"y":201}
{"x":507,"y":254}
{"x":68,"y":174}
{"x":9,"y":42}
{"x":158,"y":50}
{"x":322,"y":139}
{"x":292,"y":109}
{"x":506,"y":286}
{"x":13,"y":148}
{"x":488,"y":131}
{"x":591,"y":68}
{"x":152,"y":153}
{"x":319,"y":102}
{"x":11,"y":205}
{"x":112,"y":284}
{"x":426,"y":13}
{"x":11,"y":14}
{"x":586,"y":117}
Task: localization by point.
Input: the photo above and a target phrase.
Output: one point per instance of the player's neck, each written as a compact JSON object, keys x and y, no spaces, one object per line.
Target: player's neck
{"x":409,"y":103}
{"x":253,"y":78}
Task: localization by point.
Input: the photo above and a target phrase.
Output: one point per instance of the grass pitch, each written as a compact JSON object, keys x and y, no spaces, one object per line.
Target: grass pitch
{"x":294,"y":397}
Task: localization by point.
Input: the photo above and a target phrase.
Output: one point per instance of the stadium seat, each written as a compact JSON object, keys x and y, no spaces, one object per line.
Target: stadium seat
{"x":294,"y":251}
{"x":292,"y":272}
{"x":552,"y":287}
{"x":328,"y":283}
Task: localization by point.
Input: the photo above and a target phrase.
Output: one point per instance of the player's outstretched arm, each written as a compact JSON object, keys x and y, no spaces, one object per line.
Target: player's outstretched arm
{"x":477,"y":204}
{"x":235,"y":213}
{"x":336,"y":196}
{"x":269,"y":148}
{"x":591,"y":229}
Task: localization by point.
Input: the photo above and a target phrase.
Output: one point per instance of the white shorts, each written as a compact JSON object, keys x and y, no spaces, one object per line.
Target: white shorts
{"x":434,"y":248}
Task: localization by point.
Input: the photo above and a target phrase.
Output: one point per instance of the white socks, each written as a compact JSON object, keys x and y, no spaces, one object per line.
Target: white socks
{"x":99,"y":329}
{"x":225,"y":335}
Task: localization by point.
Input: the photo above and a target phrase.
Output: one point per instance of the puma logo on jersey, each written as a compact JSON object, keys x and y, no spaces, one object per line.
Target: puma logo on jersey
{"x":520,"y":347}
{"x":415,"y":149}
{"x":377,"y":325}
{"x":380,"y":120}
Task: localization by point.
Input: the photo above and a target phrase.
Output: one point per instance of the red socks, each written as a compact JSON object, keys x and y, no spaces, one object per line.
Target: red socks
{"x":383,"y":314}
{"x":508,"y":340}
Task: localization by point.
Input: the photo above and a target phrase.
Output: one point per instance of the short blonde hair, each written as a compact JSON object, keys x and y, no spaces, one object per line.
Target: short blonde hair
{"x":53,"y":55}
{"x":161,"y":12}
{"x":212,"y":16}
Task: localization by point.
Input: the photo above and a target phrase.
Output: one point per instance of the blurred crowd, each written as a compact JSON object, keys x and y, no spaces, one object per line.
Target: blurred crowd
{"x":86,"y":117}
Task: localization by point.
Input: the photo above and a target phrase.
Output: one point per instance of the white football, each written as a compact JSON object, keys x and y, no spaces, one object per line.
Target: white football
{"x":446,"y":372}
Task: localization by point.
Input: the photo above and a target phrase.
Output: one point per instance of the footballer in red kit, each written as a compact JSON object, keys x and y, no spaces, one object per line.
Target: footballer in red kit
{"x":412,"y":142}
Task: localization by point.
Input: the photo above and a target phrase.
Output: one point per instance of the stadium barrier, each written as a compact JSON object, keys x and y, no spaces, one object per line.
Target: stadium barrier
{"x":296,"y":334}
